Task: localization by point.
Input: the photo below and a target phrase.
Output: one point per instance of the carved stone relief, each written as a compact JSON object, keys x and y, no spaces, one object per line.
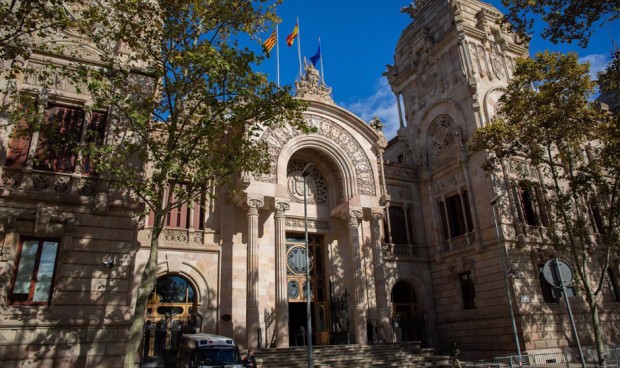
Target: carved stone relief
{"x":298,"y":223}
{"x":521,"y":169}
{"x":452,"y":180}
{"x":474,"y":59}
{"x":444,"y":140}
{"x":316,"y":186}
{"x":440,"y":137}
{"x":399,"y":192}
{"x":429,"y":79}
{"x":278,"y":137}
{"x":491,"y":102}
{"x":45,"y":74}
{"x":497,"y":64}
{"x":400,"y":172}
{"x":482,"y":59}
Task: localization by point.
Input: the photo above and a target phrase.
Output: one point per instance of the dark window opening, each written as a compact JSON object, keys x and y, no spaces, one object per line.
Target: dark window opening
{"x":548,"y":293}
{"x":532,"y":209}
{"x":455,"y":215}
{"x":596,"y":217}
{"x":613,"y":280}
{"x":386,"y":228}
{"x":410,"y":227}
{"x":468,"y":290}
{"x":398,"y":225}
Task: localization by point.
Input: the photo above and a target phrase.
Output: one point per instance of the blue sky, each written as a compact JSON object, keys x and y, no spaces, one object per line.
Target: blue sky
{"x":358,"y":40}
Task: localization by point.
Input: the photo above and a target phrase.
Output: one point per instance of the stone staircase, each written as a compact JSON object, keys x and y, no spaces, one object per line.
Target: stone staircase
{"x":404,"y":354}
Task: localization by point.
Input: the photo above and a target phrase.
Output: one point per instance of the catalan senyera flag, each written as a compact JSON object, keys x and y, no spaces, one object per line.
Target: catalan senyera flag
{"x":271,"y":41}
{"x":290,"y":39}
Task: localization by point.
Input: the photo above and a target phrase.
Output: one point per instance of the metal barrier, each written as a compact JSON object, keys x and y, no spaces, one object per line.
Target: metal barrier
{"x":549,"y":359}
{"x":546,"y":360}
{"x":510,"y":361}
{"x":612,"y":355}
{"x":553,"y":360}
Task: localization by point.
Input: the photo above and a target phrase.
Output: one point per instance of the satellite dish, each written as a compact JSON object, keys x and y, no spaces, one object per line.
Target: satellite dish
{"x":556,"y":270}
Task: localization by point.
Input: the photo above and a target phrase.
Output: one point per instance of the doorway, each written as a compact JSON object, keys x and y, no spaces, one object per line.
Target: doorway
{"x":297,"y":324}
{"x":297,"y":294}
{"x":170,"y":312}
{"x":407,"y":318}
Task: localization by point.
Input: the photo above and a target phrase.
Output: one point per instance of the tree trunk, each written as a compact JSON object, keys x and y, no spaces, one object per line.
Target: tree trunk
{"x":598,"y":335}
{"x":149,"y":276}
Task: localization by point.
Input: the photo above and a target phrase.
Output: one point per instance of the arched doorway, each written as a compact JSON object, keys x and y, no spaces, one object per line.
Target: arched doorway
{"x":408,"y":319}
{"x":170,"y":312}
{"x":317,"y":198}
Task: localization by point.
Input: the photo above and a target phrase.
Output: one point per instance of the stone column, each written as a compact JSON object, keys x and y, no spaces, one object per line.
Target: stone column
{"x":359,"y":313}
{"x":383,"y":325}
{"x":400,"y":113}
{"x":281,"y":279}
{"x":252,"y":316}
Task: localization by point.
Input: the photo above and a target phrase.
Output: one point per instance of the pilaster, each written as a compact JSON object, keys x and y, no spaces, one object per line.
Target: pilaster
{"x":282,"y":333}
{"x":252,"y":314}
{"x":383,"y":310}
{"x":354,"y":216}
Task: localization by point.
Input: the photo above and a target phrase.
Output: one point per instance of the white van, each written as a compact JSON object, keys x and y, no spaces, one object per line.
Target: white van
{"x":208,"y":351}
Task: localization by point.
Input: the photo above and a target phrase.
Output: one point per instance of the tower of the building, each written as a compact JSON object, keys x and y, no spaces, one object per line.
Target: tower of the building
{"x":454,"y":52}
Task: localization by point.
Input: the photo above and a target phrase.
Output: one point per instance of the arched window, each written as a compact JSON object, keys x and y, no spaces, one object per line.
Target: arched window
{"x":173,"y":296}
{"x":170,"y":312}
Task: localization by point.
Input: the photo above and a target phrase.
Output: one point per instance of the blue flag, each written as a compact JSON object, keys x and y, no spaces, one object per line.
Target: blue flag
{"x":316,"y":56}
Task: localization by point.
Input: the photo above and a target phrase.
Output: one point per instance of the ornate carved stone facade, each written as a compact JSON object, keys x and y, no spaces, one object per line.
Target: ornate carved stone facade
{"x":410,"y":218}
{"x":450,"y":69}
{"x":331,"y":131}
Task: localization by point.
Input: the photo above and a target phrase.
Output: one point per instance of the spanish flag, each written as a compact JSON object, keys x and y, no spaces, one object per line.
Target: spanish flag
{"x":290,"y":39}
{"x":271,"y":41}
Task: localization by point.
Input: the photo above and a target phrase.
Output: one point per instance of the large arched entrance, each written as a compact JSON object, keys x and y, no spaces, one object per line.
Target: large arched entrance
{"x":317,"y":199}
{"x":407,"y":317}
{"x":170,"y":312}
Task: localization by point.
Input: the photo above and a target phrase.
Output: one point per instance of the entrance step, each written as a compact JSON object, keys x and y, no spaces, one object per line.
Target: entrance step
{"x":403,"y":354}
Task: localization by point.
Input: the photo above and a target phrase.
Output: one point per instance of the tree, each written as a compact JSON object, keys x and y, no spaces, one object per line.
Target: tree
{"x":609,"y":83}
{"x":21,"y":20}
{"x":566,"y":21}
{"x":200,"y":126}
{"x":547,"y":119}
{"x":185,"y":107}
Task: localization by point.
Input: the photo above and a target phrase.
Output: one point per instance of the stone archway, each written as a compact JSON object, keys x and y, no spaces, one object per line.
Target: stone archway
{"x":407,"y":316}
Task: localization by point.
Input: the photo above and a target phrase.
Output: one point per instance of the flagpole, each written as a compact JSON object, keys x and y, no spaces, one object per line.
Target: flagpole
{"x":299,"y":47}
{"x":322,"y":74}
{"x":278,"y":54}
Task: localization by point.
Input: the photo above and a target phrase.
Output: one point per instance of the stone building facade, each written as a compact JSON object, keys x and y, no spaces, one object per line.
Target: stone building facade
{"x":451,"y":64}
{"x":402,"y":234}
{"x":67,"y":239}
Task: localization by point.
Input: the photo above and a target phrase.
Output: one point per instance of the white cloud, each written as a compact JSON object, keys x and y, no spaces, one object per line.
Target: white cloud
{"x":382,"y":103}
{"x":597,"y":62}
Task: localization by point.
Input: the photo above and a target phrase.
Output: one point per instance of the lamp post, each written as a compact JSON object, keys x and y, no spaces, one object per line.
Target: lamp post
{"x":307,"y":170}
{"x":509,"y":271}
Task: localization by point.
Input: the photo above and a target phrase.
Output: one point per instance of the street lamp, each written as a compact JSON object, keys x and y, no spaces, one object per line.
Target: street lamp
{"x":307,"y":170}
{"x":507,"y":272}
